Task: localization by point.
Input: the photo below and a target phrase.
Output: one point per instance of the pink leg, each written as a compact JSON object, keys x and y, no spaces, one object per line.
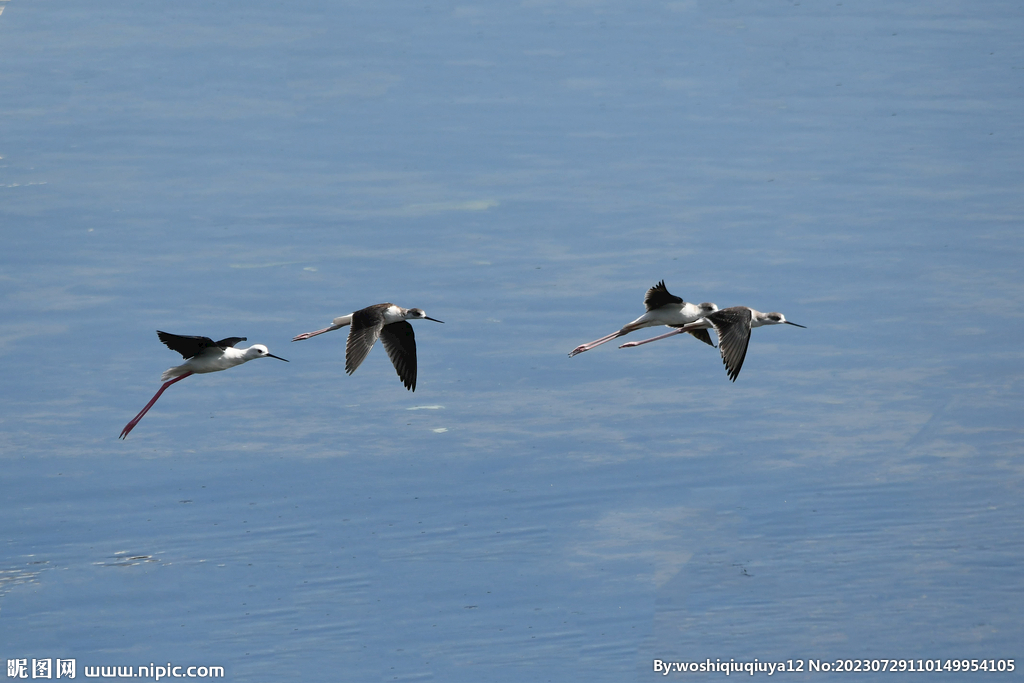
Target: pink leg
{"x":647,"y":341}
{"x":131,"y":425}
{"x":597,"y":342}
{"x":307,"y":335}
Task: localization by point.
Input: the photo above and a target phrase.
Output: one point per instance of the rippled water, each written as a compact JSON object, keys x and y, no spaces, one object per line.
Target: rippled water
{"x":523,"y":172}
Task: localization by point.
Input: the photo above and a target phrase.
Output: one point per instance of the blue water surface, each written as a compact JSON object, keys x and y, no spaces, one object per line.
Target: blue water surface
{"x":523,"y":172}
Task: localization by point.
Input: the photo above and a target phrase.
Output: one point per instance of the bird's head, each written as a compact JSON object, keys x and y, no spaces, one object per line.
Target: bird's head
{"x":261,"y":351}
{"x":420,"y":314}
{"x":775,"y":318}
{"x":707,"y":308}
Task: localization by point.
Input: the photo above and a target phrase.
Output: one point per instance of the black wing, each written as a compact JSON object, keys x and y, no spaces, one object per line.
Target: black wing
{"x":366,"y":325}
{"x":190,"y":347}
{"x":703,"y":336}
{"x":658,"y":296}
{"x":733,"y":327}
{"x":400,"y":343}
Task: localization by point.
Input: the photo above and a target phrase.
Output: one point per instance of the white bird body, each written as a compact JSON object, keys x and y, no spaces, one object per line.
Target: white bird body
{"x":215,"y":360}
{"x":663,"y":308}
{"x":733,"y":326}
{"x":202,"y":355}
{"x":671,"y":314}
{"x":387,"y":322}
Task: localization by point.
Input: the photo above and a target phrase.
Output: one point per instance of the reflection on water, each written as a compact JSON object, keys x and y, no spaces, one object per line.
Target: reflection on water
{"x":526,"y":172}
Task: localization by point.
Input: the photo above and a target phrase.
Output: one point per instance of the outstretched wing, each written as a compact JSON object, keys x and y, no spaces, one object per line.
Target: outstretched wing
{"x":703,"y":336}
{"x":365,"y":329}
{"x":733,"y":327}
{"x":400,"y":343}
{"x":658,"y":296}
{"x":190,"y":347}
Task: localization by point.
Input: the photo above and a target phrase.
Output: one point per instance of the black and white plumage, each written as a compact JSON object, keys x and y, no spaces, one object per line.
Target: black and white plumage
{"x":190,"y":347}
{"x":733,"y":326}
{"x":663,"y":308}
{"x":201,"y":355}
{"x":386,"y":322}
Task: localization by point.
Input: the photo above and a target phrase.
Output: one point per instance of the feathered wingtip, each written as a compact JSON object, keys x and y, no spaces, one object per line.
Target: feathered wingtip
{"x":658,"y":296}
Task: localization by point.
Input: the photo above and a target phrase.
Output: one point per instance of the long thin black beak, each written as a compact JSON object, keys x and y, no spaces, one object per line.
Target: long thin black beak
{"x":270,"y":355}
{"x":795,"y":325}
{"x":434,"y":319}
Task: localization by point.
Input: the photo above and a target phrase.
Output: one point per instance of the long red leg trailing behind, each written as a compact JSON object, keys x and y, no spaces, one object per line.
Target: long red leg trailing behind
{"x":135,"y":420}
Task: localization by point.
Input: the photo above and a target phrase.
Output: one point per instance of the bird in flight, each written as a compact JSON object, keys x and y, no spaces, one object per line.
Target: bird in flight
{"x":387,"y":322}
{"x":733,"y":326}
{"x":663,"y":308}
{"x":201,"y":355}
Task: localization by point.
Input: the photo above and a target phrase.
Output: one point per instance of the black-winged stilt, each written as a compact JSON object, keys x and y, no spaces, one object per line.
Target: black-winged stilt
{"x":662,"y":309}
{"x":389,"y":323}
{"x":733,"y":326}
{"x":202,"y":354}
